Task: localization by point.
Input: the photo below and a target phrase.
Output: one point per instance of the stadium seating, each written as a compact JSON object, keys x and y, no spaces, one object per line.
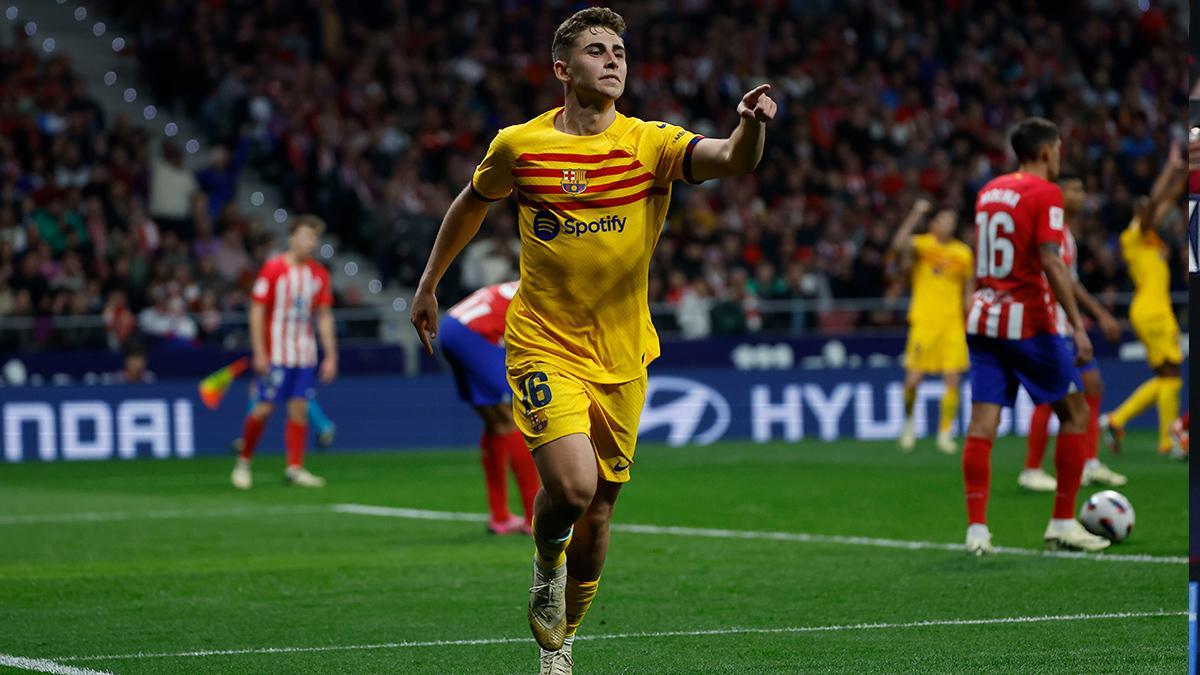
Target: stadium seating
{"x":374,"y":121}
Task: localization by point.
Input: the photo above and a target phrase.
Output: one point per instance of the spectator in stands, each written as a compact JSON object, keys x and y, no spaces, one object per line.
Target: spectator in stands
{"x":171,"y":189}
{"x":219,"y":179}
{"x":359,"y":116}
{"x":135,"y":370}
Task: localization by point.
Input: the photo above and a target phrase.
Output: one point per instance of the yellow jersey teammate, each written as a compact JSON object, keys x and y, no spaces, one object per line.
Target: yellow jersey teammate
{"x":1151,"y":314}
{"x":592,"y":188}
{"x":943,"y":281}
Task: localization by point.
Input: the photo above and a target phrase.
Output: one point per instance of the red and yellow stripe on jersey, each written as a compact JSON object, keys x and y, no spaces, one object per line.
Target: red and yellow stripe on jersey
{"x":591,"y":209}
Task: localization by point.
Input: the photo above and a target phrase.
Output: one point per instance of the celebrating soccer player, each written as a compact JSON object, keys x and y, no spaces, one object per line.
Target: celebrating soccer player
{"x":472,"y":337}
{"x":1150,"y":313}
{"x":1011,"y":335}
{"x":1033,"y":477}
{"x":942,"y":282}
{"x":593,"y":188}
{"x":289,"y":290}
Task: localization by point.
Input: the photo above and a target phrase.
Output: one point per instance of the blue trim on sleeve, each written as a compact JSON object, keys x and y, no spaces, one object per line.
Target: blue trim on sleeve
{"x":687,"y":161}
{"x":480,"y":196}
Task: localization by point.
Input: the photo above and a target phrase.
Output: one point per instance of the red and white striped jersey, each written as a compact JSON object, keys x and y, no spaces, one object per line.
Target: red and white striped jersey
{"x":1070,"y":257}
{"x":1014,"y":215}
{"x":290,"y":293}
{"x":483,"y":311}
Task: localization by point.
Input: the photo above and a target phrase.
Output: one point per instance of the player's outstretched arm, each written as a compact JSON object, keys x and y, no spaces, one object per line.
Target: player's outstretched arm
{"x":1167,"y":190}
{"x":1089,"y":303}
{"x":460,"y":225}
{"x":903,"y":238}
{"x":1060,"y":283}
{"x":740,"y":153}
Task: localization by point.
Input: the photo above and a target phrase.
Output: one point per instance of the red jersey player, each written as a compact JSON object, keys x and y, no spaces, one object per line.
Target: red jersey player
{"x":1011,"y":332}
{"x":1032,"y":477}
{"x":472,"y":339}
{"x":289,"y":290}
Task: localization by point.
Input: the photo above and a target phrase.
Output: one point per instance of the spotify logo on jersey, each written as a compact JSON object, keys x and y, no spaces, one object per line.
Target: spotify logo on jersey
{"x":545,"y":225}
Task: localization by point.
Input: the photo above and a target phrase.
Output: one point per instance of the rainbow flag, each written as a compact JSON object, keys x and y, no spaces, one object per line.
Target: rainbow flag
{"x":213,"y":387}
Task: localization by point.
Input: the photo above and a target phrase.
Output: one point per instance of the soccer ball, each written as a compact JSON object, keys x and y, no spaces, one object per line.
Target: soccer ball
{"x":1108,"y":514}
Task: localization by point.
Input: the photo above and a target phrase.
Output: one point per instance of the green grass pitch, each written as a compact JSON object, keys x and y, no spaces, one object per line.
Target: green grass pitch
{"x":176,"y":561}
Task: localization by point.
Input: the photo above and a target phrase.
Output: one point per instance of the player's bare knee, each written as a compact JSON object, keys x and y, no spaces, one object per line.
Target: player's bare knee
{"x":981,"y":429}
{"x":263,"y":410}
{"x":1168,"y":370}
{"x":1072,"y":414}
{"x":985,"y":419}
{"x":298,"y":410}
{"x":570,"y":496}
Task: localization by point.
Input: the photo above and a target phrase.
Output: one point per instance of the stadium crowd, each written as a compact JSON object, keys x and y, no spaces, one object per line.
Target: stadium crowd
{"x":372,"y":115}
{"x":92,"y":224}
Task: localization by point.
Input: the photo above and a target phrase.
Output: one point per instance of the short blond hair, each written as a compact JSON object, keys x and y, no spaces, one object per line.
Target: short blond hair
{"x":592,"y":17}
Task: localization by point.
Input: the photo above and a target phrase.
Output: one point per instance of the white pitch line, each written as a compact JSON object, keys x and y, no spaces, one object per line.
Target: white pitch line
{"x":425,"y":514}
{"x":45,"y":666}
{"x":624,"y":636}
{"x":800,"y":537}
{"x":108,"y":516}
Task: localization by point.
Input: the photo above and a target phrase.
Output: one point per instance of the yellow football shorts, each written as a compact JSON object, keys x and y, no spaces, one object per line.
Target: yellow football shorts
{"x":940,"y":348}
{"x":1160,"y":334}
{"x":549,"y":404}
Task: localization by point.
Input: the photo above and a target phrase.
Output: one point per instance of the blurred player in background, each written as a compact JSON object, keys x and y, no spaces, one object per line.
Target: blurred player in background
{"x":1033,"y":477}
{"x":290,"y":289}
{"x":322,"y":426}
{"x":1150,"y":313}
{"x":943,"y":270}
{"x":472,"y":339}
{"x":593,"y":188}
{"x":1011,"y":332}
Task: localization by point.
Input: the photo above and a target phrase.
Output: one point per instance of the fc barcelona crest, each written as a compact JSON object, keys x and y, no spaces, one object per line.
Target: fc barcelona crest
{"x":574,"y":181}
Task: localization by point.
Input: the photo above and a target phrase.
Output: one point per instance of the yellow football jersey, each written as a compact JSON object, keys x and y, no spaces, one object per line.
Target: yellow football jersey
{"x":1146,"y":257}
{"x":591,"y":210}
{"x":939,"y":277}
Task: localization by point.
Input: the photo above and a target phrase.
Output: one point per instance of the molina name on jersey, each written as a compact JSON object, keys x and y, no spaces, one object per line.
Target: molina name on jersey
{"x":1014,"y":215}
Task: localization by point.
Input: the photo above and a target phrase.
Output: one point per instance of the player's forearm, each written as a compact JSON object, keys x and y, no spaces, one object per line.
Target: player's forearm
{"x":745,"y":146}
{"x":326,"y":333}
{"x":1087,"y":301}
{"x":901,"y":239}
{"x":460,"y":225}
{"x":1165,"y":182}
{"x":257,"y":319}
{"x":1060,"y":284}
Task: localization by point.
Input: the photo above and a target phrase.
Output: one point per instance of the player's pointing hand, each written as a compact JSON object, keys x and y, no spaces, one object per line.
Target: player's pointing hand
{"x":424,"y":318}
{"x":756,"y":105}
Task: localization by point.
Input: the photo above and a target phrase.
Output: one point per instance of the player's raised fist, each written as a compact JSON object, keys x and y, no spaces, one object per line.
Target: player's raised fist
{"x":756,"y":105}
{"x":424,"y":318}
{"x":922,"y":206}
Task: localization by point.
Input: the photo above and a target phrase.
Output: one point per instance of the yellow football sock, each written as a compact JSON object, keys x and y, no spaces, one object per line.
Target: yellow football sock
{"x":1168,"y":409}
{"x":1138,"y":401}
{"x":949,"y":409}
{"x":579,"y":597}
{"x":551,"y":553}
{"x":910,"y":398}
